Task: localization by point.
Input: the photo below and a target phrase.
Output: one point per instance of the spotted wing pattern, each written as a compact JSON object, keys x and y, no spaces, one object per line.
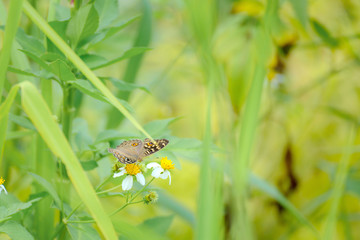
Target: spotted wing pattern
{"x":135,"y":150}
{"x":151,"y":147}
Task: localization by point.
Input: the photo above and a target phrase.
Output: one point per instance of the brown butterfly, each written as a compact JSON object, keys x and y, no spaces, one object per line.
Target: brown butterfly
{"x":135,"y":150}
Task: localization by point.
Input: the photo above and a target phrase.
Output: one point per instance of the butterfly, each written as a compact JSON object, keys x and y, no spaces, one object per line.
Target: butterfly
{"x":135,"y":150}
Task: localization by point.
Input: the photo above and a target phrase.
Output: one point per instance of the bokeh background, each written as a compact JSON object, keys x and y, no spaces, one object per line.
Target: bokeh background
{"x":193,"y":86}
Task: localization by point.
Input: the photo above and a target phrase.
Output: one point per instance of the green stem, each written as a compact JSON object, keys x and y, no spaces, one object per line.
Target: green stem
{"x":117,"y":210}
{"x":67,"y":113}
{"x":108,"y":190}
{"x":80,"y":203}
{"x":135,"y":196}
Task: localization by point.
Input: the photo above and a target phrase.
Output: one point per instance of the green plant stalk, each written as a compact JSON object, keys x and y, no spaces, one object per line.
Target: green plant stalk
{"x":40,"y":115}
{"x":205,"y":203}
{"x":202,"y":21}
{"x":67,"y":111}
{"x":76,"y":60}
{"x":142,"y":40}
{"x":128,"y":202}
{"x":340,"y":183}
{"x":131,"y":199}
{"x":12,"y":23}
{"x":241,"y":225}
{"x":4,"y":111}
{"x":46,"y":168}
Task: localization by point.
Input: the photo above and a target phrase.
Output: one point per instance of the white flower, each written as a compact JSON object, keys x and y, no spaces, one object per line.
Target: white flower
{"x":130,"y":170}
{"x":161,"y":171}
{"x":2,"y":187}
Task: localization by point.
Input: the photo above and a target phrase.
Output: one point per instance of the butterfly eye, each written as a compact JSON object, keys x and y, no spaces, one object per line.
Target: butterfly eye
{"x":134,"y":144}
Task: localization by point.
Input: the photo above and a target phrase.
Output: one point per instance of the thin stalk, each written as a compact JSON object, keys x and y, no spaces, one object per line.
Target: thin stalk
{"x":12,"y":23}
{"x":67,"y":114}
{"x":80,"y":203}
{"x":339,"y":186}
{"x":130,"y":202}
{"x":46,"y":168}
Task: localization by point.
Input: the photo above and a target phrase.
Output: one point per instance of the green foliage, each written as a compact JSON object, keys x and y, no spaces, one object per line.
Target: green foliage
{"x":276,"y":157}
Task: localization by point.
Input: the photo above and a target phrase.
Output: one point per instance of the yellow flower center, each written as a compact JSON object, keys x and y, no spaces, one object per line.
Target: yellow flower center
{"x":167,"y":164}
{"x":132,"y":169}
{"x":1,"y":180}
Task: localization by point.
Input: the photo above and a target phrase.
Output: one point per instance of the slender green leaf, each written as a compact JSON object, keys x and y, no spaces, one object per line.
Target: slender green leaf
{"x":82,"y":232}
{"x":38,"y":60}
{"x":82,"y":24}
{"x":159,"y":127}
{"x":108,"y":32}
{"x":89,"y":165}
{"x":300,"y":9}
{"x":127,"y":54}
{"x":324,"y":34}
{"x":60,"y":28}
{"x":18,"y":134}
{"x":93,"y":60}
{"x":10,"y":31}
{"x":339,"y":187}
{"x":85,"y":87}
{"x":48,"y":187}
{"x":125,"y":86}
{"x":343,"y":114}
{"x":10,"y":206}
{"x":30,"y":43}
{"x":75,"y":59}
{"x":62,"y":70}
{"x":108,"y":11}
{"x":40,"y":115}
{"x":276,"y":194}
{"x":142,"y":40}
{"x":4,"y":111}
{"x":6,"y":105}
{"x":22,"y":121}
{"x":15,"y":231}
{"x":2,"y":13}
{"x":22,"y":72}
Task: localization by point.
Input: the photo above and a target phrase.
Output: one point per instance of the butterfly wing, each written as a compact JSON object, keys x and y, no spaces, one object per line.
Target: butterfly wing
{"x":128,"y":151}
{"x":150,"y":147}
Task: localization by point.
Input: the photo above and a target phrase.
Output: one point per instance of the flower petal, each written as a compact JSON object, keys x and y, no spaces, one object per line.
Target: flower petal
{"x":140,"y":178}
{"x":169,"y":178}
{"x":3,"y":188}
{"x":165,"y":174}
{"x":153,"y":165}
{"x":119,"y":173}
{"x":157,"y":171}
{"x":127,"y":183}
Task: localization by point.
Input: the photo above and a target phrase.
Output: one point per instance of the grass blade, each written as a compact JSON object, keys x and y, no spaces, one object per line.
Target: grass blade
{"x":340,"y":184}
{"x":4,"y":116}
{"x":10,"y":31}
{"x":39,"y":113}
{"x":76,"y":60}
